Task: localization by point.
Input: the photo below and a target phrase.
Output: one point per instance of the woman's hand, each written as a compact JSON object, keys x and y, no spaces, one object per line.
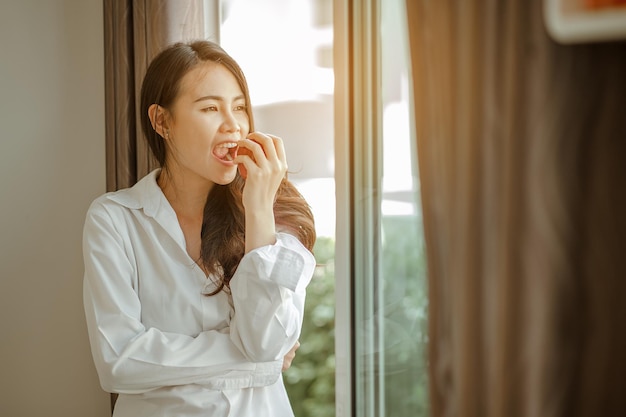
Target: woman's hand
{"x":290,"y":356}
{"x":263,"y":164}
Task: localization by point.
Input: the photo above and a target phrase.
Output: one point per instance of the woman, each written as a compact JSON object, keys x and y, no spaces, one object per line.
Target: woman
{"x":195,"y":277}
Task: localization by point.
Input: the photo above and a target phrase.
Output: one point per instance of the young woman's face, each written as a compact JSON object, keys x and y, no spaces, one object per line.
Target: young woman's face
{"x":208,"y":118}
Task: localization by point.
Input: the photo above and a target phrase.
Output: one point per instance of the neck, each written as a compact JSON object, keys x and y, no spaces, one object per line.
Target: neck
{"x":187,"y":195}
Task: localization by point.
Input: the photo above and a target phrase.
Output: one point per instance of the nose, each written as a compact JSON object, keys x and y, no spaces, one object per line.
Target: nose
{"x":230,"y":122}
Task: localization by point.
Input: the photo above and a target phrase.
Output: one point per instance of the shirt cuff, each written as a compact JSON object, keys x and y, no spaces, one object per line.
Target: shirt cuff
{"x":286,"y":263}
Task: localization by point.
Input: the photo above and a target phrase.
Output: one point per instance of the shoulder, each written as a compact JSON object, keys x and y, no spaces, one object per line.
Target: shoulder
{"x":139,"y":196}
{"x":106,"y":215}
{"x":112,"y":214}
{"x":105,"y":205}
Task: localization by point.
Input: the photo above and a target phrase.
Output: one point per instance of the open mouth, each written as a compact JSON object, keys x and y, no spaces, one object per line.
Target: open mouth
{"x":225,"y":151}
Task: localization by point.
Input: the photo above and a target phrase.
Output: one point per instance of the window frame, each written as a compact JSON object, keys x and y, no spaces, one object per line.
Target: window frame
{"x":358,"y":147}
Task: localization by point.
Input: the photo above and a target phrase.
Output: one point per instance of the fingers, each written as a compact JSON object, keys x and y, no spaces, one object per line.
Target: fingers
{"x":279,"y":148}
{"x":287,"y":362}
{"x":261,"y":150}
{"x":289,"y":357}
{"x":271,"y":146}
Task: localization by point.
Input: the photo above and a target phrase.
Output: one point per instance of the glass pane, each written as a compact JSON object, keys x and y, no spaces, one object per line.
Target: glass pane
{"x":402,"y":291}
{"x":288,"y":64}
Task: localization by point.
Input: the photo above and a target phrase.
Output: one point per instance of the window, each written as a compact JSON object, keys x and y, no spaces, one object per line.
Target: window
{"x":288,"y":65}
{"x":364,"y":337}
{"x":400,"y":288}
{"x":383,"y":358}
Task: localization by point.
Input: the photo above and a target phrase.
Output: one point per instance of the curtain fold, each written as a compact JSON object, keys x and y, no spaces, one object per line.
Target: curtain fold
{"x":520,"y":144}
{"x":134,"y":32}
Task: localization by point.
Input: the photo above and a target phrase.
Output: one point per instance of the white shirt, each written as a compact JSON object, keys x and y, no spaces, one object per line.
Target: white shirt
{"x":160,"y":342}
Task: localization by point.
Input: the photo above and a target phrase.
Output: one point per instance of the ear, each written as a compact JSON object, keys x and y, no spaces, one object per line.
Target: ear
{"x":158,"y":119}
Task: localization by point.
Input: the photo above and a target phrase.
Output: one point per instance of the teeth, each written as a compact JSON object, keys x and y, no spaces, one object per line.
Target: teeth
{"x":225,"y":151}
{"x":227,"y":145}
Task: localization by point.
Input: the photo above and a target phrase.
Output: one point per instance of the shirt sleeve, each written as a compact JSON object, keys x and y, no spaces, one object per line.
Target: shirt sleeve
{"x":268,"y":291}
{"x":129,"y":357}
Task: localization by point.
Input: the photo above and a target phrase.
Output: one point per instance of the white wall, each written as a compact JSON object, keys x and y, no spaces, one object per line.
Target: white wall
{"x":51,"y":167}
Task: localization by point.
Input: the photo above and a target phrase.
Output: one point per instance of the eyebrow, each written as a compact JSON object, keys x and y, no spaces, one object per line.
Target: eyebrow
{"x":218,"y":98}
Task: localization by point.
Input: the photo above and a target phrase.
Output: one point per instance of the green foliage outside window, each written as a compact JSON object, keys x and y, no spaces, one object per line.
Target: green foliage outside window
{"x":405,"y":312}
{"x":310,"y":381}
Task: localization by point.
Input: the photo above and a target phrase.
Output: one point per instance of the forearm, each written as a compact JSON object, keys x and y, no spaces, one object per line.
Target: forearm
{"x":132,"y":359}
{"x":268,"y":291}
{"x":260,"y":228}
{"x":131,"y":356}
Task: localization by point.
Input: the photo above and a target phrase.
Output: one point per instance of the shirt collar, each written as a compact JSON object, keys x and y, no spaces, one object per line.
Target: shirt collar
{"x":146,"y":195}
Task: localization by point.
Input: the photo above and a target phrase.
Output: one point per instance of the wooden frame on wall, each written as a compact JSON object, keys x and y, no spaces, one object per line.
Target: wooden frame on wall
{"x":582,"y":21}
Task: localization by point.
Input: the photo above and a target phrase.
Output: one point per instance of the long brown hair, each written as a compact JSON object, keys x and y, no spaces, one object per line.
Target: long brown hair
{"x":223,"y":228}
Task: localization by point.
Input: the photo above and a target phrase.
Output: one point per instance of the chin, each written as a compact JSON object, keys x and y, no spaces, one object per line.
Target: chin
{"x":226,"y":179}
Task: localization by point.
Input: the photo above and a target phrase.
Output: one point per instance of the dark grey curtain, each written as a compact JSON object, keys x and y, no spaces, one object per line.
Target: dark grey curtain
{"x":135,"y":31}
{"x":522,"y":161}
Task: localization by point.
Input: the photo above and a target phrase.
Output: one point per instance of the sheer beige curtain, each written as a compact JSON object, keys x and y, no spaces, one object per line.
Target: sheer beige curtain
{"x":522,"y":158}
{"x":135,"y":31}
